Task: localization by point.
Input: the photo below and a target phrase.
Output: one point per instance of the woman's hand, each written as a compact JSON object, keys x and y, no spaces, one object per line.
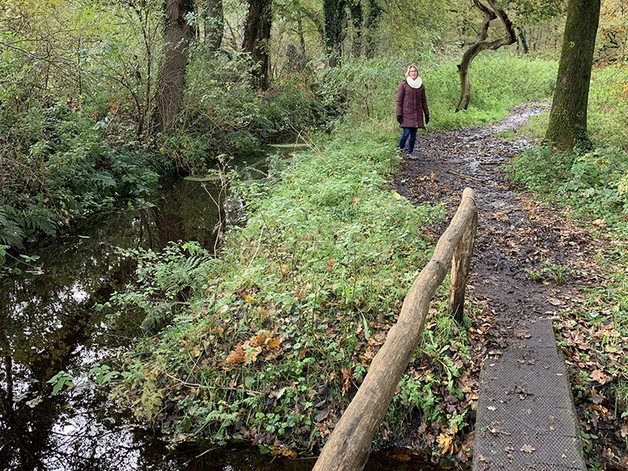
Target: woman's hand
{"x":427,"y":118}
{"x":399,"y":119}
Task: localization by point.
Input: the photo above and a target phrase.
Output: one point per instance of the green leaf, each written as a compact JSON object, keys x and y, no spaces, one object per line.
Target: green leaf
{"x":367,"y":330}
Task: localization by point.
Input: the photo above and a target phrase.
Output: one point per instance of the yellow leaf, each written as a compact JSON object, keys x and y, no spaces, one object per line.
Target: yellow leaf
{"x":446,"y":443}
{"x":196,"y":352}
{"x":396,"y":195}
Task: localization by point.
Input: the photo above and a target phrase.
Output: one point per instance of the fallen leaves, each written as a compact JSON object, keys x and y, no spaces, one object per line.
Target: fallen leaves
{"x":284,"y":451}
{"x":248,"y":351}
{"x":600,"y":377}
{"x":347,"y":380}
{"x":527,"y":449}
{"x":446,"y":443}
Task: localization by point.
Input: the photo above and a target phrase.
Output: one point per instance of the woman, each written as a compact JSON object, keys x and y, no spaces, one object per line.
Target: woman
{"x":411,"y":106}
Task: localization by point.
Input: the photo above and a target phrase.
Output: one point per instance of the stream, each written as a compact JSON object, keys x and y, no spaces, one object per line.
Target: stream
{"x":49,"y":324}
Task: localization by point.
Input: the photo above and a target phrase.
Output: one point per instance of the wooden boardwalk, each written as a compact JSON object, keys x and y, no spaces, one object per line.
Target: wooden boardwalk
{"x":526,"y":418}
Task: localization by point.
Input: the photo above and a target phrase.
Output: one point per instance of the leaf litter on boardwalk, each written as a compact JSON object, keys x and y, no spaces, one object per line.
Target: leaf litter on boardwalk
{"x":528,"y":261}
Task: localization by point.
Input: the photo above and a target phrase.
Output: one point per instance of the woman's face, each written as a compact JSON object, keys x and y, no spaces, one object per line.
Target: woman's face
{"x":413,"y":73}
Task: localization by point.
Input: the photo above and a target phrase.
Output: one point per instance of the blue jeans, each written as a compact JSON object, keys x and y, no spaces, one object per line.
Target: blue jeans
{"x":408,"y":132}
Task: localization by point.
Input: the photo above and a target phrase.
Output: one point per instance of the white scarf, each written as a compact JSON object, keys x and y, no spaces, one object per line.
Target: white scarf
{"x":416,"y":83}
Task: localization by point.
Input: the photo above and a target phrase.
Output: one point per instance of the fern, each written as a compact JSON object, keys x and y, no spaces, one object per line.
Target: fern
{"x":157,"y":318}
{"x":42,"y":220}
{"x":103,"y":179}
{"x":10,"y":232}
{"x":175,"y":277}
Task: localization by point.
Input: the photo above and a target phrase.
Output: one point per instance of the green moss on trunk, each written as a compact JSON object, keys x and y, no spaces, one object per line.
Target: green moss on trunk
{"x":568,"y":119}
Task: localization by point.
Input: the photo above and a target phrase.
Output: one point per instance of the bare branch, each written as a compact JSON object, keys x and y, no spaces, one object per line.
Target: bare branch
{"x":11,"y":46}
{"x":488,"y":16}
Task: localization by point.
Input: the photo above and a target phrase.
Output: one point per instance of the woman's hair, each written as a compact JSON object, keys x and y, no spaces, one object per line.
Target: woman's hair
{"x":410,"y":67}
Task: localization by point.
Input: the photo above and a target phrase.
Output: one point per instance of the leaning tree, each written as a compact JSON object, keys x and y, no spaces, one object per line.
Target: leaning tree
{"x":491,"y":12}
{"x":520,"y":12}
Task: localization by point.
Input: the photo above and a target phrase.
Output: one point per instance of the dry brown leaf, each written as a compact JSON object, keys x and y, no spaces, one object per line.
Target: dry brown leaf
{"x":323,"y":430}
{"x":236,"y":356}
{"x":600,"y":377}
{"x":257,"y":340}
{"x":347,"y":380}
{"x":284,"y":451}
{"x":597,"y":398}
{"x":323,"y":415}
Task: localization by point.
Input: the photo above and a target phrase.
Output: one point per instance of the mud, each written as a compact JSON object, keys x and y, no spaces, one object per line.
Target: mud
{"x":517,"y":239}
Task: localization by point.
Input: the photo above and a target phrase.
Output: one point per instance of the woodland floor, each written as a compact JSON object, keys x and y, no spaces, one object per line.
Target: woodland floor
{"x":517,"y":237}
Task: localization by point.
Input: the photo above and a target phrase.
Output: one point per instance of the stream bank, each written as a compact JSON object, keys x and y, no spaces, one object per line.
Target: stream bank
{"x":53,"y":322}
{"x":55,"y":319}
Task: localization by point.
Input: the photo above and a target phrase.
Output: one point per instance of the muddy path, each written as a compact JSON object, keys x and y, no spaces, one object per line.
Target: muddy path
{"x":529,"y":261}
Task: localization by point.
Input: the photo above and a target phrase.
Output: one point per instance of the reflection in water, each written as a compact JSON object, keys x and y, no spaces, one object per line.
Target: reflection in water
{"x":49,"y":323}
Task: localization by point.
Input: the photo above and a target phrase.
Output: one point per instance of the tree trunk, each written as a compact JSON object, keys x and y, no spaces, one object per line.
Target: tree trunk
{"x":523,"y":40}
{"x":355,"y":8}
{"x":334,"y":27}
{"x":568,"y":118}
{"x":172,"y":74}
{"x":465,"y":64}
{"x":370,"y":25}
{"x":214,"y":24}
{"x":257,"y":39}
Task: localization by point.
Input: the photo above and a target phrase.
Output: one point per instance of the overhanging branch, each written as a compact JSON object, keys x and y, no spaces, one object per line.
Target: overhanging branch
{"x":490,"y":12}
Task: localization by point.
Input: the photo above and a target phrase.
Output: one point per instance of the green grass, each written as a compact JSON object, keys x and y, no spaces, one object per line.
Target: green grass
{"x":276,"y":334}
{"x":373,"y":86}
{"x":318,"y":274}
{"x":592,"y":185}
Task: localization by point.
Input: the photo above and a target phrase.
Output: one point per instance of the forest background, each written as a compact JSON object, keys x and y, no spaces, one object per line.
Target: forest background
{"x":98,"y":101}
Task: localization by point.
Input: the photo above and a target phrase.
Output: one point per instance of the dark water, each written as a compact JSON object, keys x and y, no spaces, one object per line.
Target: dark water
{"x":49,"y":323}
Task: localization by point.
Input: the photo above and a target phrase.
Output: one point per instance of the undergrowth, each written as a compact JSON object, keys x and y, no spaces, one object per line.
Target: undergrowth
{"x":592,"y":185}
{"x":269,"y":342}
{"x":282,"y":327}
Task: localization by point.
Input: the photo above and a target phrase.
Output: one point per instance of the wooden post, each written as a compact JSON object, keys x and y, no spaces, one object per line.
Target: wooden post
{"x":461,"y":263}
{"x":348,"y":446}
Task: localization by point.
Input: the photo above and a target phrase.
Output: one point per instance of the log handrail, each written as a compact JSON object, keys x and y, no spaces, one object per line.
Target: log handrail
{"x":347,"y":448}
